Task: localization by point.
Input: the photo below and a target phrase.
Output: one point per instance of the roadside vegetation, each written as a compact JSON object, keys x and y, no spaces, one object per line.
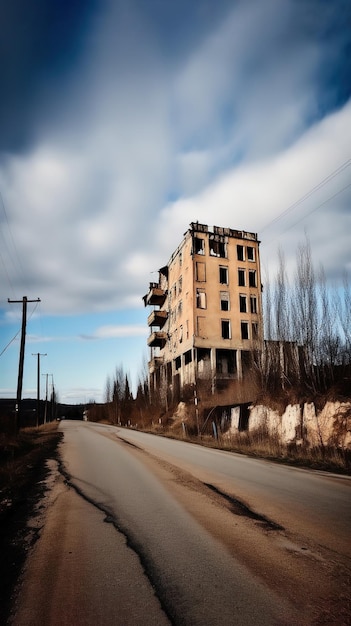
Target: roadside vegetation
{"x":23,"y":470}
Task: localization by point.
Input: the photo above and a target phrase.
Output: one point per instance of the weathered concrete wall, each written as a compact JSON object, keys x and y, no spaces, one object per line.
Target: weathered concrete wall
{"x":329,"y":427}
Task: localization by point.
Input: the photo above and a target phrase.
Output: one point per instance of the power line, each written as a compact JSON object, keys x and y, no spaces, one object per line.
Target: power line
{"x":312,"y":211}
{"x":309,"y":193}
{"x":13,"y":338}
{"x":318,"y":206}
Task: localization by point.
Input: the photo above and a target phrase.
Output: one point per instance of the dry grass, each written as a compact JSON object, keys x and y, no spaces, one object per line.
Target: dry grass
{"x":20,"y":455}
{"x":262,"y":445}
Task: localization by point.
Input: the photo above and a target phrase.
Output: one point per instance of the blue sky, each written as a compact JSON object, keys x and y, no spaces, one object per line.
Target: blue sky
{"x":123,"y":121}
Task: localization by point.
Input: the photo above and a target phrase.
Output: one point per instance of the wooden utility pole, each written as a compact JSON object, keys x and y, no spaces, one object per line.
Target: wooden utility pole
{"x":38,"y":355}
{"x":46,"y":397}
{"x":21,"y":357}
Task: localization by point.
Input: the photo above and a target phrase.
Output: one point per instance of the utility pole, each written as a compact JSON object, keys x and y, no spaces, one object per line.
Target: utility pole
{"x":46,"y":398}
{"x":38,"y":355}
{"x":53,"y":399}
{"x":21,"y":358}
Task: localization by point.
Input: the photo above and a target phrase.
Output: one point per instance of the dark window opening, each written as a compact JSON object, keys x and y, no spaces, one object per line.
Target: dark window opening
{"x":225,"y":329}
{"x":244,"y":330}
{"x":177,"y":363}
{"x":223,"y":275}
{"x":253,"y":305}
{"x":224,"y":301}
{"x":199,"y":245}
{"x":226,"y":362}
{"x":241,"y":277}
{"x":242,"y":304}
{"x":188,"y":357}
{"x":250,"y":253}
{"x":218,"y":248}
{"x":240,"y":253}
{"x":252,"y":278}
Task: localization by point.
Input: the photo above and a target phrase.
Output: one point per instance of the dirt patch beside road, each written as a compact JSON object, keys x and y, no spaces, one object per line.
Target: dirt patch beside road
{"x":23,"y":470}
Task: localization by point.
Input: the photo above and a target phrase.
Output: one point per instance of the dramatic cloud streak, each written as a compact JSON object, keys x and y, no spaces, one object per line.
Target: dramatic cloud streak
{"x":152,"y":117}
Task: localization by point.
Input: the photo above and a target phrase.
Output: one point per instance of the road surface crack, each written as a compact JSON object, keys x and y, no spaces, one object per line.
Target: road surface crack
{"x":239,"y":508}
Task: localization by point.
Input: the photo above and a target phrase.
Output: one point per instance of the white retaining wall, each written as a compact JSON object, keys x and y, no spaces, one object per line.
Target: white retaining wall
{"x":329,"y":427}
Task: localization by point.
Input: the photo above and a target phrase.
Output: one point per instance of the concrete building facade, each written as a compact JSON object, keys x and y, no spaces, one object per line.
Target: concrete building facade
{"x":207,"y":310}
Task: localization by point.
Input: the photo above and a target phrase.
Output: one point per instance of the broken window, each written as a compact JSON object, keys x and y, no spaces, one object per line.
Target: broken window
{"x":200,"y":299}
{"x":241,"y":277}
{"x":188,"y":357}
{"x":199,"y":245}
{"x":244,"y":330}
{"x":252,"y":278}
{"x":223,"y":275}
{"x":218,"y":248}
{"x":240,"y":253}
{"x":226,"y":362}
{"x":225,"y":303}
{"x":242,"y":303}
{"x":253,"y":304}
{"x":250,"y":253}
{"x":200,"y":272}
{"x":225,"y":329}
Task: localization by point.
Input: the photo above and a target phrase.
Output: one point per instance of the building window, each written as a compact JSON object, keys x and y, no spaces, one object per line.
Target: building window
{"x":218,"y":248}
{"x":200,"y":272}
{"x":244,"y":330}
{"x":180,"y":333}
{"x":200,"y":299}
{"x":199,"y":245}
{"x":252,"y":278}
{"x":240,"y":250}
{"x":254,"y":330}
{"x":177,"y":363}
{"x":226,"y":334}
{"x":225,"y":302}
{"x":180,"y":259}
{"x":241,"y":277}
{"x":180,"y":284}
{"x":188,"y":357}
{"x":250,"y":253}
{"x":223,"y":275}
{"x":180,"y":308}
{"x":242,"y":303}
{"x":253,"y":305}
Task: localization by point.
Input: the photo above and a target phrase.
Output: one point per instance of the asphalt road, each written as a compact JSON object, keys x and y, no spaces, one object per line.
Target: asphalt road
{"x":145,"y":530}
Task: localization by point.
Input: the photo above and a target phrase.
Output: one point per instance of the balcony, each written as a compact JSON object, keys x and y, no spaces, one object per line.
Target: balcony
{"x":156,"y":295}
{"x":155,"y":364}
{"x":157,"y":339}
{"x":157,"y":318}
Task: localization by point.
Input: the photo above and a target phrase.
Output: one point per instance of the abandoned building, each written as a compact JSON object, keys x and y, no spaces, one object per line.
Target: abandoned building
{"x":207,"y":311}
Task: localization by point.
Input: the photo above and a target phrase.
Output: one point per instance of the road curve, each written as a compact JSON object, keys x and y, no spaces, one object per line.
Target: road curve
{"x":195,"y":537}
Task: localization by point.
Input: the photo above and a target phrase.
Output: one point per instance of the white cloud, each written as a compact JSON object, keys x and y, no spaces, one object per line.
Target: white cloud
{"x":112,"y":331}
{"x":224,"y":128}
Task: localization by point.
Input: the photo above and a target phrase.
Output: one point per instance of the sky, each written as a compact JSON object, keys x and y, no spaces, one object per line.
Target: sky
{"x":123,"y":121}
